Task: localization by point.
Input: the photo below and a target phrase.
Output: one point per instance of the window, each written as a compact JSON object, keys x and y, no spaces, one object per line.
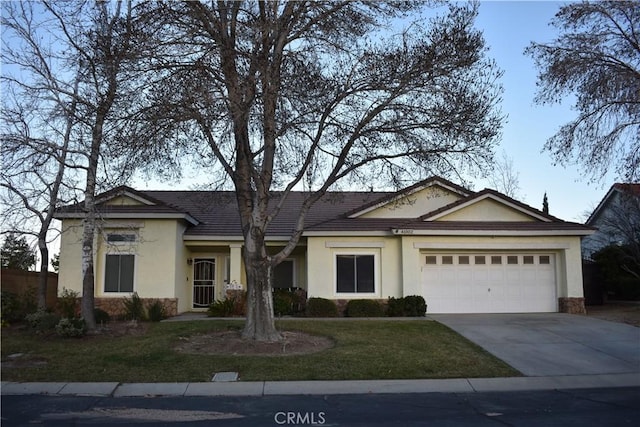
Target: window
{"x":527,"y":259}
{"x":463,"y":259}
{"x":431,"y":260}
{"x":496,"y":259}
{"x":545,"y":259}
{"x":355,"y":274}
{"x":447,"y":259}
{"x":283,"y":275}
{"x":512,"y":259}
{"x":479,"y":259}
{"x":121,"y":238}
{"x":118,"y":276}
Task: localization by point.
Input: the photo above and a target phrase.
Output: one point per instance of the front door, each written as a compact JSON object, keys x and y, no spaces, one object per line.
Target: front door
{"x":204,"y":281}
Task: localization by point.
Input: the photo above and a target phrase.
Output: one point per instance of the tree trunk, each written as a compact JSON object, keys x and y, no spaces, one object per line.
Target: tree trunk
{"x":43,"y":275}
{"x":88,"y":300}
{"x":260,"y":324}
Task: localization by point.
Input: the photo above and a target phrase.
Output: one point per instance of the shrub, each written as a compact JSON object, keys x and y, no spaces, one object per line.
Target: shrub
{"x":101,"y":316}
{"x":133,"y":307}
{"x":395,"y":307}
{"x":282,"y":302}
{"x":68,"y":303}
{"x":414,"y":306}
{"x":42,"y":321}
{"x":364,"y":308}
{"x":155,"y":311}
{"x":11,"y":308}
{"x":71,"y":327}
{"x":321,"y":307}
{"x":239,"y":298}
{"x":289,"y":302}
{"x":222,"y":308}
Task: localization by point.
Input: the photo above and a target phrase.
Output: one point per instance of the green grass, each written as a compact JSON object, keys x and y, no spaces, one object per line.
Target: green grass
{"x":372,"y":349}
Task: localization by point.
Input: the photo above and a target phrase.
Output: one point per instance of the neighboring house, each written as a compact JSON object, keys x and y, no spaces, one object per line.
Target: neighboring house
{"x":463,"y":251}
{"x":616,"y":218}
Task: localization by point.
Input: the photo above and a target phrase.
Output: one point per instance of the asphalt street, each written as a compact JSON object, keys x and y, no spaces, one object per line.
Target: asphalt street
{"x":566,"y":408}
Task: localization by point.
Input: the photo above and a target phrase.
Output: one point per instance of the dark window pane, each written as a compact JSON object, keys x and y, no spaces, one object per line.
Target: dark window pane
{"x":117,"y":237}
{"x":126,"y":273}
{"x":479,"y":259}
{"x":346,"y":273}
{"x":365,"y":274}
{"x":496,"y":259}
{"x":463,"y":259}
{"x":527,"y":259}
{"x":544,"y":259}
{"x":512,"y":259}
{"x":112,"y":273}
{"x":431,"y":260}
{"x":119,"y":271}
{"x":283,"y":275}
{"x":447,"y":259}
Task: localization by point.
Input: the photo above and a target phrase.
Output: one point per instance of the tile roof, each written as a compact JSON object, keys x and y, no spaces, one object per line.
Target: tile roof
{"x":215,"y":213}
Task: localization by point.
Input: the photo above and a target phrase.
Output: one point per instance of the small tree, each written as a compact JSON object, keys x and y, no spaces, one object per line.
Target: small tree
{"x":545,"y":203}
{"x":16,"y":253}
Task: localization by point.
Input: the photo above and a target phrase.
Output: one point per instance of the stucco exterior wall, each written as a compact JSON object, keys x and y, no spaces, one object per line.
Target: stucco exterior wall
{"x":400,"y":260}
{"x":156,"y":254}
{"x":415,"y":205}
{"x":321,"y":265}
{"x":70,"y":272}
{"x":486,"y":210}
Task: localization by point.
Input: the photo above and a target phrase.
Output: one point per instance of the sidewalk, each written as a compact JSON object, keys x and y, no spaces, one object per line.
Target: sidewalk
{"x":273,"y":388}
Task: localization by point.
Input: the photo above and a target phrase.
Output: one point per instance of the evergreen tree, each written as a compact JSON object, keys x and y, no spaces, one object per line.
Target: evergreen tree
{"x":16,"y":253}
{"x":545,"y":204}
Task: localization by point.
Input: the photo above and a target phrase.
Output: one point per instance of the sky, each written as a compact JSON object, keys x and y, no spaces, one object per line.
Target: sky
{"x":509,"y":27}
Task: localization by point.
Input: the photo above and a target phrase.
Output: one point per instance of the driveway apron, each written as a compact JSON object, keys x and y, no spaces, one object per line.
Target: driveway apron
{"x":544,"y":344}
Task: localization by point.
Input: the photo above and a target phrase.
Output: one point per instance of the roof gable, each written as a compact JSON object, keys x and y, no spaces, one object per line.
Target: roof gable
{"x":126,"y":196}
{"x":413,"y":202}
{"x":615,"y":190}
{"x":488,"y":205}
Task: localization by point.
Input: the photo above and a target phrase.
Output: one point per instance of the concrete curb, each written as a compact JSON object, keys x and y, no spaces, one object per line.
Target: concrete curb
{"x":275,"y":388}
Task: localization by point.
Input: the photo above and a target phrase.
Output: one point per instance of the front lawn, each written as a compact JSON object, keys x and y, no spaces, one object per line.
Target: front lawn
{"x":364,"y":350}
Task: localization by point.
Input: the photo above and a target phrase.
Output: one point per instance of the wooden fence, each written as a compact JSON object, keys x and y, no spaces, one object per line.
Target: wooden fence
{"x":19,"y":281}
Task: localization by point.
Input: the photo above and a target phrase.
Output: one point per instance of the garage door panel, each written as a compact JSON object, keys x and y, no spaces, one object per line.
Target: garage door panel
{"x":490,"y":283}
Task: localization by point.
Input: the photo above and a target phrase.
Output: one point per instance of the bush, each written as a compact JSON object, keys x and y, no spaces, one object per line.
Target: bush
{"x":68,"y":303}
{"x":395,"y":307}
{"x":133,"y":307}
{"x":155,"y":311}
{"x":364,"y":308}
{"x":42,"y":321}
{"x":11,"y":308}
{"x":289,"y":302}
{"x":71,"y":327}
{"x":321,"y":307}
{"x":414,"y":306}
{"x":222,"y":308}
{"x":282,"y":302}
{"x":101,"y":316}
{"x":409,"y":306}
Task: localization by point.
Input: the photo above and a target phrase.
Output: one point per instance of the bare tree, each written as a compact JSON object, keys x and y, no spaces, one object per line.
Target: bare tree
{"x":504,"y":177}
{"x":597,"y":58}
{"x":38,"y":115}
{"x":286,"y":93}
{"x":91,"y":78}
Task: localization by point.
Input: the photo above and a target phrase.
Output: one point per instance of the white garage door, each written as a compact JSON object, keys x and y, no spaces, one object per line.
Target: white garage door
{"x":489,"y":283}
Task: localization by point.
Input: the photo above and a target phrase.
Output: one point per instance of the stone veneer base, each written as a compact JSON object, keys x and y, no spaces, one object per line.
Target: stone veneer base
{"x":571,"y":305}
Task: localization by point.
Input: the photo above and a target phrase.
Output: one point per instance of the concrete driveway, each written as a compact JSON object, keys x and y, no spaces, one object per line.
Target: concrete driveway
{"x":544,"y":344}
